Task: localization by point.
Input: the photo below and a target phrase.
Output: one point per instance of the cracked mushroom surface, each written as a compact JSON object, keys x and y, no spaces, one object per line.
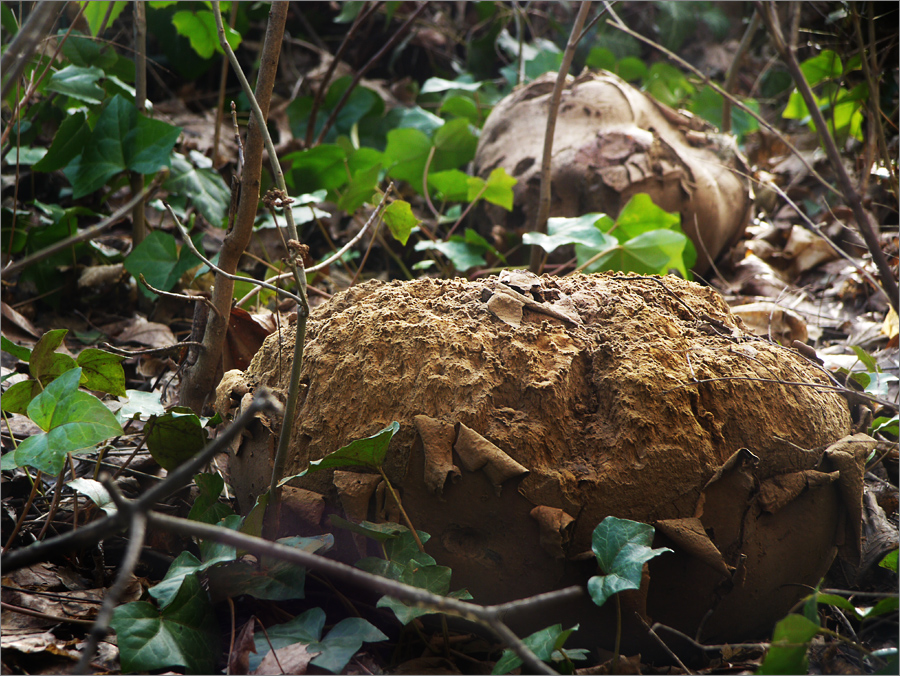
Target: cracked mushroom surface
{"x":608,"y":395}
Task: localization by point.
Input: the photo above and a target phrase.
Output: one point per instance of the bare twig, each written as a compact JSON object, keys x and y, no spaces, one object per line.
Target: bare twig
{"x":394,"y":39}
{"x":220,"y":103}
{"x":19,"y":51}
{"x":731,"y":75}
{"x":169,"y":349}
{"x":618,"y":23}
{"x":138,"y":223}
{"x":179,"y":296}
{"x":199,"y":379}
{"x":543,"y":214}
{"x":487,"y":616}
{"x":349,"y":38}
{"x":788,"y":54}
{"x":136,"y":533}
{"x":108,"y":526}
{"x":87,"y":233}
{"x":219,"y":271}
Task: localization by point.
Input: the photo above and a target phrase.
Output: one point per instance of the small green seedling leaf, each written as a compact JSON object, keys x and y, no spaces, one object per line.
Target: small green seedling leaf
{"x":400,"y":220}
{"x":185,"y":633}
{"x":175,"y":437}
{"x":72,"y":421}
{"x":890,"y":561}
{"x":368,"y":452}
{"x":622,"y":547}
{"x":95,"y":491}
{"x":790,"y":641}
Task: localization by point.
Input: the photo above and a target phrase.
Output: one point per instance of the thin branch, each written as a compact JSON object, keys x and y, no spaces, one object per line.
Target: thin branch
{"x":219,"y":271}
{"x":20,"y":49}
{"x":789,"y":56}
{"x":395,"y":38}
{"x":543,"y":214}
{"x":335,"y":60}
{"x":138,"y":221}
{"x":88,"y":233}
{"x":136,"y":534}
{"x":97,"y":531}
{"x":618,"y":23}
{"x":487,"y":616}
{"x":180,"y":296}
{"x":731,"y":75}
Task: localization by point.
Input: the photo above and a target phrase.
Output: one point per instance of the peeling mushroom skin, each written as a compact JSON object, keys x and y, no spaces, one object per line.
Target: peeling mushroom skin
{"x":588,"y":407}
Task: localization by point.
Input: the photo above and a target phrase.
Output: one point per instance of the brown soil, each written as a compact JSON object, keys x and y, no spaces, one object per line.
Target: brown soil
{"x":588,"y":383}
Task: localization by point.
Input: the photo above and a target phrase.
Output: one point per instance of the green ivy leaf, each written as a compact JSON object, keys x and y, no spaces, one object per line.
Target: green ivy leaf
{"x":72,"y":421}
{"x":454,"y":145}
{"x":318,"y":167}
{"x":185,"y":633}
{"x":436,"y":84}
{"x":79,"y":83}
{"x":272,"y":579}
{"x":360,"y":189}
{"x":68,"y":143}
{"x":400,"y":220}
{"x":160,"y":261}
{"x":790,"y":641}
{"x":498,"y":189}
{"x":95,"y":12}
{"x":543,"y":644}
{"x":622,"y":547}
{"x":202,"y":185}
{"x":826,"y":65}
{"x":342,"y":642}
{"x":641,"y":215}
{"x":18,"y":351}
{"x":206,"y":507}
{"x":95,"y":491}
{"x":406,"y":154}
{"x":368,"y":452}
{"x":17,"y":398}
{"x":452,"y":184}
{"x":140,"y":406}
{"x":175,"y":437}
{"x":121,"y":140}
{"x":46,"y":364}
{"x":200,"y":28}
{"x":102,"y":371}
{"x":584,"y":230}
